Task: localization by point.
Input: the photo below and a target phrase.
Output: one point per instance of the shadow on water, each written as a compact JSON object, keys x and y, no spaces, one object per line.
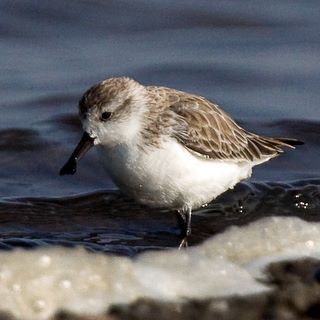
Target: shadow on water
{"x":109,"y":222}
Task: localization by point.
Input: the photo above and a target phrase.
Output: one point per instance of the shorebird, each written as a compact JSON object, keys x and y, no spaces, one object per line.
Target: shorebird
{"x":168,"y":148}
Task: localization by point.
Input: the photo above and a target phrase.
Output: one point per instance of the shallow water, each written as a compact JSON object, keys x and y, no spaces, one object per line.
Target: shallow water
{"x":260,"y":62}
{"x":109,"y":222}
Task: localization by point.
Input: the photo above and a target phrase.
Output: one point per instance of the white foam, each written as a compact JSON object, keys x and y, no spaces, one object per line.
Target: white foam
{"x":35,"y":284}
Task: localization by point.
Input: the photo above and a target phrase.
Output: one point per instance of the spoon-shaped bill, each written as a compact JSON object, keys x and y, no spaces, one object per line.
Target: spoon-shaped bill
{"x":81,"y":149}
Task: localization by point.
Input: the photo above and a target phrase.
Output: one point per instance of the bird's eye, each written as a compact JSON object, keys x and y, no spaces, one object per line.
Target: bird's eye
{"x":105,"y":115}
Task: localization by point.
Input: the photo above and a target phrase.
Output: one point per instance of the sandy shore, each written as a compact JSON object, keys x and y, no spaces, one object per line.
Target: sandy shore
{"x":295,"y":295}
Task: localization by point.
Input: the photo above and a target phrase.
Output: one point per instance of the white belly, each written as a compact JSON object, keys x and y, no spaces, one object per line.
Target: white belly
{"x":171,"y":177}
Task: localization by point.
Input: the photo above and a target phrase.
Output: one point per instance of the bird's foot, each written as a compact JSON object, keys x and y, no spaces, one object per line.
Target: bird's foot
{"x":184,"y":220}
{"x":183,"y":243}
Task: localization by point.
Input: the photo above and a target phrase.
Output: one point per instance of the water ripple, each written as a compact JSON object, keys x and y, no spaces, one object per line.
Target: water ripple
{"x":109,"y":222}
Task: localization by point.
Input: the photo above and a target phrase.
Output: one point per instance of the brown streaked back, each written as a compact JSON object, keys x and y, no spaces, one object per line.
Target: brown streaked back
{"x":206,"y":130}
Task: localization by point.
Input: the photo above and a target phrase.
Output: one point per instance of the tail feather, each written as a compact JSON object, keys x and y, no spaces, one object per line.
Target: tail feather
{"x":291,"y":142}
{"x":270,"y":147}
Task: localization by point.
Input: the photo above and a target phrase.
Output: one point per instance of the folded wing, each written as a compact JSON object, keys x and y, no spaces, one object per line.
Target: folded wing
{"x":208,"y":131}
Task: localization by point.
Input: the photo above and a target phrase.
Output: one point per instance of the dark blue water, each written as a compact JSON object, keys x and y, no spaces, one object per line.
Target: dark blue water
{"x":258,"y":60}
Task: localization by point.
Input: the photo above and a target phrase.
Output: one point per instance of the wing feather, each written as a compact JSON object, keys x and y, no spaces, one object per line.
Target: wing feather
{"x":205,"y":129}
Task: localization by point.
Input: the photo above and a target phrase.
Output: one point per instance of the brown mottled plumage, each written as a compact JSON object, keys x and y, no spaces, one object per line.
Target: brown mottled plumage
{"x":197,"y":123}
{"x":203,"y":128}
{"x":168,"y":148}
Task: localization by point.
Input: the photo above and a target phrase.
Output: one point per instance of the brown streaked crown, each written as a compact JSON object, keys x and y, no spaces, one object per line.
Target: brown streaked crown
{"x":102,"y":93}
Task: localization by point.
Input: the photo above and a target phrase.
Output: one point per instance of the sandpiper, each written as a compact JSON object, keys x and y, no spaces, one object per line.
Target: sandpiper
{"x":167,"y":148}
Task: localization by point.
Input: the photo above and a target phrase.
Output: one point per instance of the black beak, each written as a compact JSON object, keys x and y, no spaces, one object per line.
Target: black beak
{"x":81,"y":149}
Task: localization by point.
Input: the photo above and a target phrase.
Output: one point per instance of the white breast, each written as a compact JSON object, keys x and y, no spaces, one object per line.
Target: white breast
{"x":171,"y":176}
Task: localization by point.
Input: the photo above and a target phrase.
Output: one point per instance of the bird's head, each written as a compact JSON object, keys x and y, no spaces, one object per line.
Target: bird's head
{"x":110,"y":113}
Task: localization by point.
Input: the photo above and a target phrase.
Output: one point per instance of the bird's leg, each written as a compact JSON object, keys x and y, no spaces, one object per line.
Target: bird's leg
{"x":184,"y":220}
{"x":181,"y":219}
